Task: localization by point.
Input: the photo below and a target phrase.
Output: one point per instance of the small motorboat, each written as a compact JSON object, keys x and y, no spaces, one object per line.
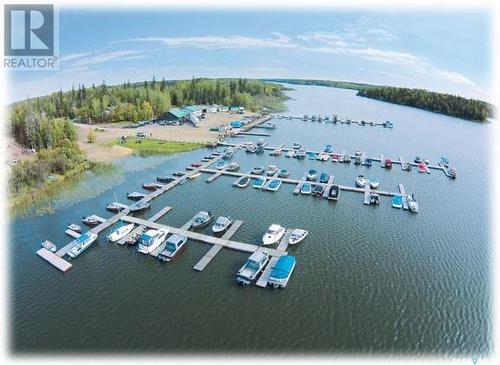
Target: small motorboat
{"x":150,"y":186}
{"x":319,"y":156}
{"x":221,"y":164}
{"x":452,"y":172}
{"x":334,"y":192}
{"x":151,"y":240}
{"x":196,"y":164}
{"x":178,"y":173}
{"x":173,"y":245}
{"x":90,"y":221}
{"x":121,"y":232}
{"x":374,"y":199}
{"x":233,"y":166}
{"x":259,"y":183}
{"x":306,"y":189}
{"x":243,"y":182}
{"x":138,"y":206}
{"x":323,"y":178}
{"x":312,"y":175}
{"x":325,"y":157}
{"x":297,"y":236}
{"x":75,"y":228}
{"x":318,"y":190}
{"x":81,"y":244}
{"x":276,"y":152}
{"x":374,"y":184}
{"x":357,"y":160}
{"x":136,"y":196}
{"x":258,"y":170}
{"x":260,"y":142}
{"x":444,"y":161}
{"x":222,"y":224}
{"x":388,"y":163}
{"x":282,"y":271}
{"x":48,"y":245}
{"x":361,"y":181}
{"x":405,"y":166}
{"x":417,"y":159}
{"x":252,"y":267}
{"x":397,"y":201}
{"x":290,"y":153}
{"x":274,"y":233}
{"x":202,"y":219}
{"x":260,"y":149}
{"x":347,"y":158}
{"x":412,"y":203}
{"x":368,"y":162}
{"x":283,"y":173}
{"x":274,"y":185}
{"x":335,"y":157}
{"x":357,"y":153}
{"x":251,"y":149}
{"x":427,"y":161}
{"x":194,"y":176}
{"x":115,"y":207}
{"x":422,"y":167}
{"x":328,"y":148}
{"x":301,"y":154}
{"x":271,"y":170}
{"x":296,"y":145}
{"x":228,"y":154}
{"x":311,"y":155}
{"x":164,"y":179}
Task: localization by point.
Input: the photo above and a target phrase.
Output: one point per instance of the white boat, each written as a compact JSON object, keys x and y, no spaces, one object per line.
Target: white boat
{"x":202,"y":219}
{"x":274,"y":233}
{"x":290,"y":153}
{"x":374,"y":184}
{"x":221,"y":224}
{"x":361,"y":181}
{"x":195,"y":175}
{"x":296,"y":145}
{"x":82,"y":243}
{"x":297,"y":236}
{"x":173,"y":246}
{"x":325,"y":157}
{"x":412,"y":203}
{"x":251,"y":268}
{"x":75,"y":228}
{"x":49,"y":246}
{"x":150,"y":240}
{"x":121,"y":232}
{"x":271,"y":170}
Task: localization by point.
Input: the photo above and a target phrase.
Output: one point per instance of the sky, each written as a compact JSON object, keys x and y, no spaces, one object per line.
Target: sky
{"x":446,"y":51}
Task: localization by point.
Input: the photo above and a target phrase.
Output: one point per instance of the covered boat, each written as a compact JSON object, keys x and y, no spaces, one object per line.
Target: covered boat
{"x":221,"y":224}
{"x":259,"y":183}
{"x":323,"y":178}
{"x":281,"y":272}
{"x":273,"y":234}
{"x":82,"y":243}
{"x":397,"y":201}
{"x":422,"y":167}
{"x":174,"y":244}
{"x":388,"y":163}
{"x":306,"y":189}
{"x":121,"y":232}
{"x":221,"y":164}
{"x":202,"y":219}
{"x":297,"y":236}
{"x":252,"y":267}
{"x":334,"y":192}
{"x":274,"y":185}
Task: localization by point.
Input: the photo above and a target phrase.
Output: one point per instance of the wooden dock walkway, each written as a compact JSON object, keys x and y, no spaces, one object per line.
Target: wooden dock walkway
{"x":207,"y":258}
{"x":367,"y":193}
{"x":72,"y":233}
{"x":328,"y":186}
{"x":234,"y":245}
{"x":402,"y":190}
{"x":283,"y":245}
{"x":264,"y":277}
{"x":137,"y":231}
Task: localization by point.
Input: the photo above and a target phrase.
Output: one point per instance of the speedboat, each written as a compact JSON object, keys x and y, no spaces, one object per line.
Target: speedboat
{"x":257,"y":170}
{"x":297,"y":236}
{"x":368,"y":162}
{"x":301,"y":154}
{"x":361,"y":181}
{"x":334,"y":192}
{"x":388,"y":163}
{"x":228,"y":154}
{"x":311,"y":155}
{"x":243,"y":182}
{"x":173,"y":245}
{"x":202,"y":219}
{"x":221,"y":164}
{"x":194,"y":176}
{"x":306,"y":189}
{"x":121,"y":232}
{"x":283,"y":173}
{"x":233,"y":166}
{"x":274,"y":233}
{"x":422,"y":167}
{"x":318,"y":190}
{"x":49,"y":246}
{"x":150,"y":186}
{"x":417,"y":159}
{"x":271,"y":170}
{"x":312,"y":175}
{"x":335,"y":157}
{"x":290,"y":153}
{"x":164,"y":179}
{"x":136,"y":196}
{"x":274,"y":185}
{"x":115,"y":207}
{"x":323,"y":178}
{"x":151,"y":240}
{"x":221,"y":224}
{"x":259,"y":183}
{"x":328,"y":148}
{"x":357,"y":160}
{"x":296,"y":145}
{"x":140,"y":205}
{"x":90,"y":221}
{"x":82,"y":243}
{"x":75,"y":228}
{"x":252,"y":267}
{"x":412,"y":203}
{"x":397,"y":201}
{"x":281,"y":272}
{"x":374,"y":184}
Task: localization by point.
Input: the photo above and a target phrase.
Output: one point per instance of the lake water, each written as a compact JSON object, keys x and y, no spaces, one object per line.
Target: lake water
{"x":368,"y":279}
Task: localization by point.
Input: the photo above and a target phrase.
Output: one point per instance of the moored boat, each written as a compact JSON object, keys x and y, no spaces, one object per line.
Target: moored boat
{"x":361,"y":181}
{"x":318,"y":190}
{"x":252,"y":267}
{"x":335,"y":157}
{"x":271,"y":170}
{"x":334,"y":192}
{"x":374,"y":184}
{"x":221,"y":164}
{"x":412,"y":203}
{"x":243,"y":182}
{"x":136,"y":196}
{"x":397,"y":201}
{"x":48,"y":245}
{"x":202,"y":219}
{"x":388,"y":163}
{"x":311,"y":155}
{"x":151,"y":240}
{"x":75,"y":227}
{"x":233,"y":166}
{"x":274,"y":185}
{"x":173,"y":245}
{"x":273,"y":234}
{"x":90,"y":221}
{"x":312,"y":174}
{"x":301,"y":154}
{"x":422,"y":167}
{"x":368,"y":162}
{"x":115,"y":207}
{"x":222,"y":224}
{"x":164,"y":179}
{"x":290,"y":153}
{"x":296,"y":145}
{"x":328,"y":148}
{"x":259,"y":183}
{"x":82,"y":243}
{"x":257,"y":170}
{"x":306,"y":189}
{"x":374,"y":199}
{"x":150,"y":186}
{"x":283,"y":173}
{"x":140,"y":205}
{"x":297,"y":236}
{"x":417,"y":159}
{"x":194,"y":176}
{"x":120,"y":232}
{"x":281,"y":272}
{"x":323,"y":178}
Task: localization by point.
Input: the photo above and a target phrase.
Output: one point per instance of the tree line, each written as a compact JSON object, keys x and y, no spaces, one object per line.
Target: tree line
{"x":452,"y":105}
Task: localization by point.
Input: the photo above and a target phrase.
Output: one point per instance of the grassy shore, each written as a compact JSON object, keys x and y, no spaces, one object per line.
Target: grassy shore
{"x":150,"y":146}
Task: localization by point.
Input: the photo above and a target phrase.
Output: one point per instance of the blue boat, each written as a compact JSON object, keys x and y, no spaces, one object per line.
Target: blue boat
{"x":312,"y":175}
{"x":311,"y":155}
{"x":323,"y":178}
{"x":221,"y":164}
{"x":281,"y":272}
{"x":397,"y":201}
{"x":368,"y":162}
{"x":274,"y":185}
{"x":259,"y":183}
{"x":328,"y":148}
{"x":306,"y":189}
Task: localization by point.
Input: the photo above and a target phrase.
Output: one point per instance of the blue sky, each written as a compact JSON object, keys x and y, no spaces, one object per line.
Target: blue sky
{"x":438,"y":50}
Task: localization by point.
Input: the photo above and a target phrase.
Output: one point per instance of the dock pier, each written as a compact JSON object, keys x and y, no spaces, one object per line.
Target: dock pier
{"x":402,"y":190}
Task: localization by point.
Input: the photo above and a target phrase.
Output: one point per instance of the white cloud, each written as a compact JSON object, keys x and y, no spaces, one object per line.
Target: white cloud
{"x":73,"y":56}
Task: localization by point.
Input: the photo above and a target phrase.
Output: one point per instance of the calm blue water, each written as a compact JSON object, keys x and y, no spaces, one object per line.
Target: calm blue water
{"x":368,"y":279}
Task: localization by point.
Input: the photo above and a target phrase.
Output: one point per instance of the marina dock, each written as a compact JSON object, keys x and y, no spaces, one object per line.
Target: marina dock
{"x":54,"y":259}
{"x":205,"y":260}
{"x":367,"y":194}
{"x":264,"y":277}
{"x":402,"y":190}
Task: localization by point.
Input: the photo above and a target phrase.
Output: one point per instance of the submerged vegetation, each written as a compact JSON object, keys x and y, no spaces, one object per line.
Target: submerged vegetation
{"x":452,"y":105}
{"x":147,"y":146}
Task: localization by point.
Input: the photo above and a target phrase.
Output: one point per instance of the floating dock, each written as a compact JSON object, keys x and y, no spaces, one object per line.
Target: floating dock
{"x":402,"y":190}
{"x":53,"y":259}
{"x":264,"y":277}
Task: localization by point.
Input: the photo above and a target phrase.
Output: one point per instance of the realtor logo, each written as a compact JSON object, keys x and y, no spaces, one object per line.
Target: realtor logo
{"x":30,"y":36}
